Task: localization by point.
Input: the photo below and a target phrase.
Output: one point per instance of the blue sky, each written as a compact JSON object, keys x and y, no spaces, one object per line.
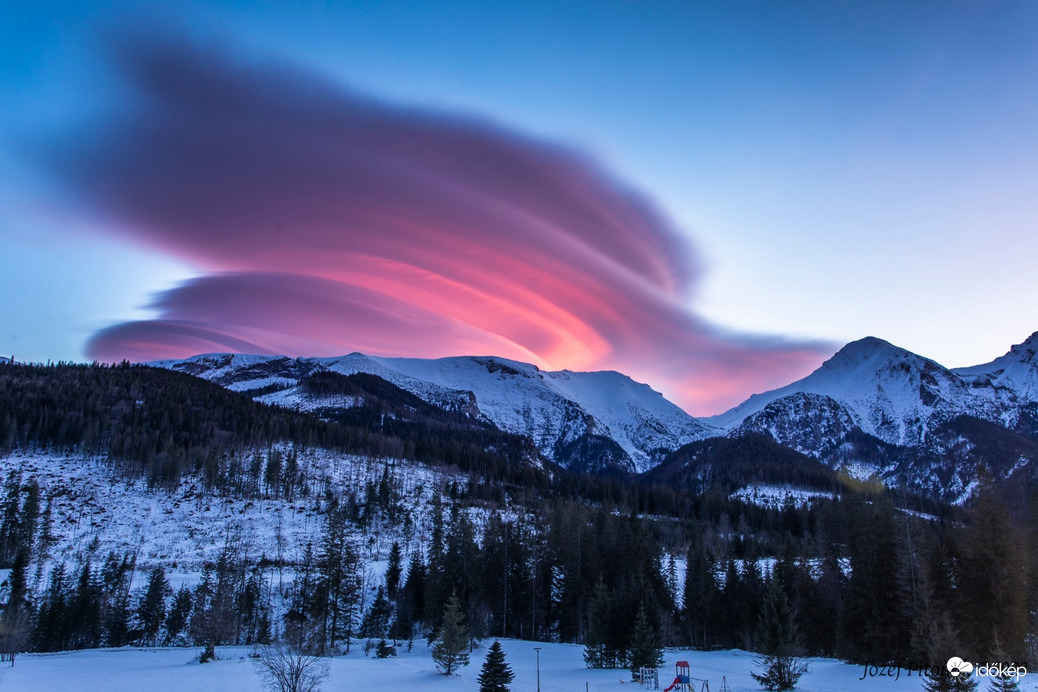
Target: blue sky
{"x":837,"y":169}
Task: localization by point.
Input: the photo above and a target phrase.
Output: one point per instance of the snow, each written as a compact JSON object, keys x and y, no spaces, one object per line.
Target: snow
{"x":553,"y":408}
{"x":561,"y":670}
{"x":1017,"y":370}
{"x":858,"y":471}
{"x":884,"y":390}
{"x":94,"y":512}
{"x":520,"y":398}
{"x":777,"y":496}
{"x":889,"y":392}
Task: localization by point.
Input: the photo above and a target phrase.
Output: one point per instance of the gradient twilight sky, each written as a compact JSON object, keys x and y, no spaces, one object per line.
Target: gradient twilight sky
{"x":708,"y":196}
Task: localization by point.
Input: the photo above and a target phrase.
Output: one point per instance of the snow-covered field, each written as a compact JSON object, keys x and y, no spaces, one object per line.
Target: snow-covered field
{"x":561,"y":670}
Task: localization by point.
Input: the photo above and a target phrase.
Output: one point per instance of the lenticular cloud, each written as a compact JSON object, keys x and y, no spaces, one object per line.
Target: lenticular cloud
{"x":330,"y":222}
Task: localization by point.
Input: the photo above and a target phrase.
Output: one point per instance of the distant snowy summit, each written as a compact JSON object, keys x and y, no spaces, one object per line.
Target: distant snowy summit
{"x":881,"y":410}
{"x":873,"y":407}
{"x":590,"y":421}
{"x":897,"y":396}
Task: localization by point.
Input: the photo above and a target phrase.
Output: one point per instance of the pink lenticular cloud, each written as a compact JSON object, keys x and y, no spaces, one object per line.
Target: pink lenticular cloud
{"x":332,"y":223}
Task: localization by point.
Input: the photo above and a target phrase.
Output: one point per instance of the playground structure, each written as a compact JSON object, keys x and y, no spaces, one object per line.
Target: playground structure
{"x":682,"y":679}
{"x":649,"y":677}
{"x":684,"y":682}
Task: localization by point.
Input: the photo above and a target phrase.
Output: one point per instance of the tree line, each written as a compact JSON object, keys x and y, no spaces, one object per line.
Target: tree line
{"x":575,"y":558}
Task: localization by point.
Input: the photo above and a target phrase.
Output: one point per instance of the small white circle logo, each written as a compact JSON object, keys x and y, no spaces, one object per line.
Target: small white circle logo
{"x":956,"y":666}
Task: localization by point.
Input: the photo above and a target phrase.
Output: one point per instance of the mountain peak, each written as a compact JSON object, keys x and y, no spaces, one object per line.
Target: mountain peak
{"x":866,"y":346}
{"x":871,"y":351}
{"x":1028,"y":349}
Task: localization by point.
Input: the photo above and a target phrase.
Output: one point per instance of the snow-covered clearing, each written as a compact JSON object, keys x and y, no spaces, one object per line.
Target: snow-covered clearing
{"x":561,"y":670}
{"x":778,"y":496}
{"x":93,"y":512}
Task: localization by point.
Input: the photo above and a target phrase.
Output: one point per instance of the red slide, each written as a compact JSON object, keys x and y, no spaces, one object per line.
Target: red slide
{"x":673,"y":685}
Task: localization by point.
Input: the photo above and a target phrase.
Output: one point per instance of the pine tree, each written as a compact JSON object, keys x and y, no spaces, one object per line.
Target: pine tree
{"x":495,"y":675}
{"x":337,"y":589}
{"x":14,"y":621}
{"x":394,"y":570}
{"x":411,"y":600}
{"x":646,"y":651}
{"x":1000,"y":683}
{"x":778,"y":642}
{"x":450,"y":649}
{"x":992,"y":571}
{"x":946,"y":682}
{"x":384,"y":650}
{"x":595,"y":647}
{"x":376,"y":620}
{"x":152,"y":608}
{"x":179,"y":612}
{"x":700,"y":594}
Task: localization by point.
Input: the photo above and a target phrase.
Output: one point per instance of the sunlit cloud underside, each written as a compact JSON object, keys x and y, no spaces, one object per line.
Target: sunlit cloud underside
{"x":328,"y":222}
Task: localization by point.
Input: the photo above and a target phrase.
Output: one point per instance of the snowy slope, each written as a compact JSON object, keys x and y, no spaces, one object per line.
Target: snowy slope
{"x":555,"y":409}
{"x":871,"y":390}
{"x":94,"y":512}
{"x":1016,"y":371}
{"x":888,"y":392}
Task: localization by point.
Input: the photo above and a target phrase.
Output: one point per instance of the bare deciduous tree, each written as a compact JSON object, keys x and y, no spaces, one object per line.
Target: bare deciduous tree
{"x":15,"y":633}
{"x":287,"y":669}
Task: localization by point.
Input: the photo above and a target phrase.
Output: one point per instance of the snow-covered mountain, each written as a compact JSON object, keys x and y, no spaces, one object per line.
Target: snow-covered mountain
{"x":873,"y":407}
{"x":884,"y":410}
{"x":584,"y":420}
{"x":1016,"y":371}
{"x":886,"y":391}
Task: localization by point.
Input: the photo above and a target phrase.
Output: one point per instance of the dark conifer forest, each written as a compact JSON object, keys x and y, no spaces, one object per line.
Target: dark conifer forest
{"x":869,"y":574}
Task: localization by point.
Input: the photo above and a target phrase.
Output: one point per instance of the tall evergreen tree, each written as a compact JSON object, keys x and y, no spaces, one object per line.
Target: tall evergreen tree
{"x":496,"y":675}
{"x":700,"y":594}
{"x":376,"y":620}
{"x":1002,"y":683}
{"x":778,"y":642}
{"x":337,"y":588}
{"x":394,"y":570}
{"x":178,"y":615}
{"x":597,"y":652}
{"x":450,"y":649}
{"x":992,"y":578}
{"x":946,"y":682}
{"x":876,"y":624}
{"x":646,"y":649}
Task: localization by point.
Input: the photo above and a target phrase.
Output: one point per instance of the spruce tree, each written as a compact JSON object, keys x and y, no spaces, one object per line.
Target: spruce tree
{"x":646,"y":651}
{"x":946,"y":682}
{"x":495,"y":675}
{"x":1001,"y":683}
{"x":700,"y":594}
{"x":595,"y":648}
{"x":179,"y":612}
{"x":394,"y":570}
{"x":450,"y":649}
{"x":778,"y":642}
{"x":376,"y":620}
{"x":992,"y":572}
{"x":152,"y":608}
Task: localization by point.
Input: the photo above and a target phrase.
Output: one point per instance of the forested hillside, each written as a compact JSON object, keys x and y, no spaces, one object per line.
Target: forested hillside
{"x":394,"y":506}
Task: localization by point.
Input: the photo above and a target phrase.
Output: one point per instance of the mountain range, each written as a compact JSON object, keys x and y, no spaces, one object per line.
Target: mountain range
{"x":872,"y":410}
